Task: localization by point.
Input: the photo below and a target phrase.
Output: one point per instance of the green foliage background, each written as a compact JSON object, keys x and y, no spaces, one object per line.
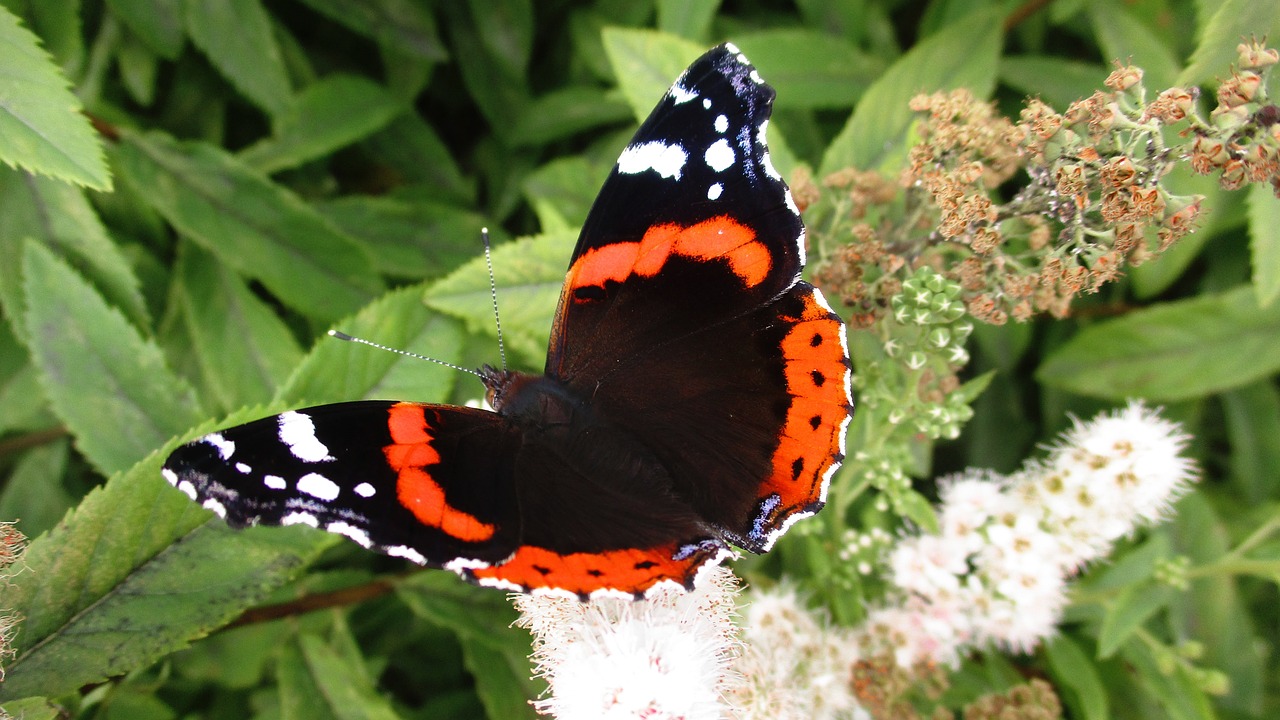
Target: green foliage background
{"x":248,"y":173}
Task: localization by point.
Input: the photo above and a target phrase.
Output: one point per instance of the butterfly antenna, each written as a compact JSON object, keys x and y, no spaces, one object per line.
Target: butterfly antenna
{"x":351,"y":338}
{"x":493,"y":293}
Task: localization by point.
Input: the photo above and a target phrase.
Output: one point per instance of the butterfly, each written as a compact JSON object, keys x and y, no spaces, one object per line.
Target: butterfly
{"x":695,"y":398}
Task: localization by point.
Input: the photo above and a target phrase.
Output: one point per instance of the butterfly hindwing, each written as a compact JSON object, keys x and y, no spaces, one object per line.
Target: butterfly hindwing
{"x":430,"y":483}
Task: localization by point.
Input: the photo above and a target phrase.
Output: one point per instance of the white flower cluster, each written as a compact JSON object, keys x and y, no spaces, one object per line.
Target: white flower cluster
{"x":997,"y":570}
{"x":793,"y":664}
{"x":666,"y":657}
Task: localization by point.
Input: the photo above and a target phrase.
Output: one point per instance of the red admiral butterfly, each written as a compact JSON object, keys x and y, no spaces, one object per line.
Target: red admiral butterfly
{"x":696,"y":393}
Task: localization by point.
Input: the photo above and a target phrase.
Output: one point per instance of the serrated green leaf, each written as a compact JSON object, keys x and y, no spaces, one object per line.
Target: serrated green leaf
{"x":1171,"y":352}
{"x":59,"y":217}
{"x":1073,"y":670}
{"x":405,"y":25}
{"x":961,"y":55}
{"x":59,"y":27}
{"x":687,"y":18}
{"x":529,"y":274}
{"x":237,"y":38}
{"x":336,"y":371}
{"x":259,"y":228}
{"x":1264,"y":243}
{"x":245,"y":351}
{"x":410,"y":239}
{"x":108,"y":385}
{"x":502,"y":680}
{"x":646,"y":63}
{"x":1231,"y":21}
{"x":810,"y":69}
{"x":326,"y":116}
{"x":40,"y":119}
{"x":1128,"y":612}
{"x":150,"y":575}
{"x":157,"y":23}
{"x":1057,"y":81}
{"x":33,"y":493}
{"x":563,"y":113}
{"x":1252,"y":416}
{"x":1124,"y":38}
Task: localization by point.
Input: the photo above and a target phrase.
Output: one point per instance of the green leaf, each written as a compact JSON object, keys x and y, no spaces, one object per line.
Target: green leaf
{"x":502,"y":680}
{"x":237,"y":38}
{"x":564,"y":113}
{"x":317,"y":683}
{"x":1252,"y":416}
{"x":415,"y":154}
{"x":1172,"y":351}
{"x":1171,"y":695}
{"x":40,"y":119}
{"x":405,"y":25}
{"x":157,"y":23}
{"x":468,"y":611}
{"x":562,"y":191}
{"x":1264,"y":243}
{"x":1231,"y":21}
{"x":138,"y":594}
{"x":529,"y":274}
{"x":259,"y":228}
{"x":327,"y":116}
{"x":687,"y":18}
{"x":59,"y":27}
{"x":496,"y":81}
{"x":245,"y":351}
{"x":416,"y":240}
{"x":964,"y":54}
{"x":139,"y":66}
{"x":1056,"y":81}
{"x":1123,"y":38}
{"x":34,"y":492}
{"x":505,"y":31}
{"x":33,"y":708}
{"x":108,"y":385}
{"x":1130,"y":609}
{"x":810,"y":69}
{"x":337,"y":371}
{"x":59,"y":217}
{"x":646,"y":63}
{"x":1073,"y":671}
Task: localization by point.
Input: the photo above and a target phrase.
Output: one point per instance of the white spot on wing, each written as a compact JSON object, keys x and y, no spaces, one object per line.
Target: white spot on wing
{"x":188,"y":488}
{"x":169,"y":475}
{"x":706,"y":103}
{"x":459,"y":564}
{"x":722,"y":123}
{"x":275,"y":482}
{"x":666,"y":160}
{"x":318,"y":486}
{"x":406,"y":552}
{"x":713,"y":192}
{"x":719,"y":156}
{"x":557,"y":592}
{"x":681,"y":94}
{"x":216,"y":507}
{"x":732,"y":48}
{"x":298,"y":433}
{"x":350,"y":531}
{"x":225,"y":447}
{"x":755,"y":76}
{"x":244,"y":469}
{"x":300,"y":518}
{"x":501,"y":584}
{"x":364,"y":490}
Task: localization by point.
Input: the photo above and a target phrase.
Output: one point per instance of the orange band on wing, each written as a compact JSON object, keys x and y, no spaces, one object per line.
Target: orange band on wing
{"x":718,"y":238}
{"x":410,"y":455}
{"x":632,"y":571}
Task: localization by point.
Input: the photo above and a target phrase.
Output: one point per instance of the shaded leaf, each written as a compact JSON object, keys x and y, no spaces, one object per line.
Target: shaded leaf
{"x":646,"y":62}
{"x":1128,"y":612}
{"x":59,"y":217}
{"x":40,"y":120}
{"x":109,"y":385}
{"x":237,"y":38}
{"x":1264,"y":242}
{"x":963,"y":54}
{"x":1172,"y":351}
{"x":529,"y":274}
{"x":563,"y":113}
{"x":562,"y":191}
{"x":405,"y":25}
{"x":245,"y":351}
{"x":410,"y":239}
{"x":1057,"y":81}
{"x":415,"y":153}
{"x":157,"y":23}
{"x":810,"y":69}
{"x":253,"y":225}
{"x":336,"y":371}
{"x":505,"y":31}
{"x":34,"y":708}
{"x":502,"y":680}
{"x":1230,"y":21}
{"x":471,"y":612}
{"x":1253,"y":427}
{"x":1074,"y":671}
{"x":1125,"y":38}
{"x":139,"y":594}
{"x":687,"y":18}
{"x":326,"y":116}
{"x":318,"y":683}
{"x":33,"y":493}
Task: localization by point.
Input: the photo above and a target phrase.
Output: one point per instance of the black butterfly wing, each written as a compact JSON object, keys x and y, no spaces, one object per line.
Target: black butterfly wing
{"x":430,"y":483}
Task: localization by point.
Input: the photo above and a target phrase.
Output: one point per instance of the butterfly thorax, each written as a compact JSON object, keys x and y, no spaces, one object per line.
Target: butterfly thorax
{"x":531,"y":400}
